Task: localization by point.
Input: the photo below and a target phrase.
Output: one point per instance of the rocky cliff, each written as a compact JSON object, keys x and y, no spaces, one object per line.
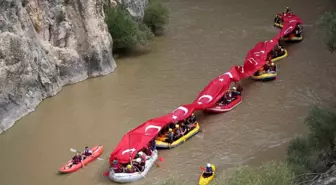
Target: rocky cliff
{"x":46,"y":44}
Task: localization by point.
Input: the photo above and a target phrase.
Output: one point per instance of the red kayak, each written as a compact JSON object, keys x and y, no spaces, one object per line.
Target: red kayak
{"x":227,"y":107}
{"x":96,"y":152}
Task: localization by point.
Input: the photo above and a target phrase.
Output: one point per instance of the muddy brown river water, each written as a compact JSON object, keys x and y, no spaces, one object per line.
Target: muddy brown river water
{"x":203,"y":40}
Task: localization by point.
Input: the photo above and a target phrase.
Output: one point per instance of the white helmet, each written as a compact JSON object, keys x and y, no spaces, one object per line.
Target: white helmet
{"x":234,"y":88}
{"x":138,"y":160}
{"x":209,"y":165}
{"x":140,"y":153}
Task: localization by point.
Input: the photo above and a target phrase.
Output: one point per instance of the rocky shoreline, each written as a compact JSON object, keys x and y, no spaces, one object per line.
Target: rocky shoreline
{"x":45,"y":45}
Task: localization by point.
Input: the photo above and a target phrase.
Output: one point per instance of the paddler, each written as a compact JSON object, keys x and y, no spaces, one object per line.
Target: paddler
{"x":235,"y":92}
{"x":208,"y":170}
{"x":137,"y":165}
{"x":87,"y":152}
{"x":77,"y":159}
{"x":179,"y":132}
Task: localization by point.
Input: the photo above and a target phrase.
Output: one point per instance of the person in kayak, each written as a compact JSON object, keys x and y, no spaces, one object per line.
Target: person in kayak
{"x":77,"y":159}
{"x":208,"y":170}
{"x":116,"y":166}
{"x":87,"y":152}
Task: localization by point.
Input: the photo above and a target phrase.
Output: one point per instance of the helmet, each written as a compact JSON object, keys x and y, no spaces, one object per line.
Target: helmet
{"x":234,"y":88}
{"x":115,"y":161}
{"x":208,"y":165}
{"x":129,"y":166}
{"x":140,"y":153}
{"x":170,"y":130}
{"x":138,"y":160}
{"x":177,"y":126}
{"x":86,"y":147}
{"x":272,"y":64}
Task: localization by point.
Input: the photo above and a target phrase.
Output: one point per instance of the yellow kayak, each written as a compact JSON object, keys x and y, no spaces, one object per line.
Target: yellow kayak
{"x":280,"y":57}
{"x":206,"y":180}
{"x":160,"y":141}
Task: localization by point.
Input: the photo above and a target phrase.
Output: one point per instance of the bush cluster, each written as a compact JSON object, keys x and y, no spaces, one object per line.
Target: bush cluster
{"x":128,"y":33}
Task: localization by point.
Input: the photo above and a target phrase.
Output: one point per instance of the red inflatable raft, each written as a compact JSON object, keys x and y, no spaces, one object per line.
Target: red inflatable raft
{"x":227,"y":107}
{"x":96,"y":152}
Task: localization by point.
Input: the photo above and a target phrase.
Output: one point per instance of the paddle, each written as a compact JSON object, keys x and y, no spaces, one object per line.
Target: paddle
{"x":202,"y":168}
{"x":75,"y":151}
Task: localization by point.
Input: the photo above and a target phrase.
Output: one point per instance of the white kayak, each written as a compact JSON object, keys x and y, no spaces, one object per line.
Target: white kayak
{"x":131,"y":177}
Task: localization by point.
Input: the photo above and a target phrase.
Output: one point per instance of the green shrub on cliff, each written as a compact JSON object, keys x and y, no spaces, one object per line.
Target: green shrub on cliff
{"x":156,"y":16}
{"x":328,"y":23}
{"x":316,"y":152}
{"x":126,"y":32}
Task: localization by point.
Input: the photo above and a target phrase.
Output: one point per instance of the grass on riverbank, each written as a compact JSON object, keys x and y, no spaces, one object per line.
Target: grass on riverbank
{"x":127,"y":33}
{"x":328,"y":23}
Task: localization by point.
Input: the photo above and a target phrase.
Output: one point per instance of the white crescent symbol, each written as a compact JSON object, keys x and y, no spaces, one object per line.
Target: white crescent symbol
{"x":128,"y":150}
{"x":152,"y":126}
{"x":227,"y":73}
{"x":253,"y":61}
{"x":185,"y":110}
{"x":241,"y":68}
{"x":288,"y":29}
{"x":204,"y":96}
{"x":258,"y":53}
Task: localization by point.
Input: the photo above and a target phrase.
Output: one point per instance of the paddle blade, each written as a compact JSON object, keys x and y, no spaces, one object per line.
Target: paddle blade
{"x":202,"y":168}
{"x":106,"y":174}
{"x":160,"y":158}
{"x":73,"y":150}
{"x":101,"y":159}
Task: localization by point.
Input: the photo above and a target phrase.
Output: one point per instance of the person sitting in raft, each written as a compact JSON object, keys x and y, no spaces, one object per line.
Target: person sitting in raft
{"x":87,"y":152}
{"x":179,"y":132}
{"x":287,"y":11}
{"x":277,"y":51}
{"x":208,"y":170}
{"x":77,"y":159}
{"x":116,"y":166}
{"x":191,"y":122}
{"x":137,"y":165}
{"x":143,"y":158}
{"x":130,"y":169}
{"x":170,"y":138}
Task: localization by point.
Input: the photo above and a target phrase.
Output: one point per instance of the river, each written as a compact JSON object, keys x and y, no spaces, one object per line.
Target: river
{"x":203,"y":40}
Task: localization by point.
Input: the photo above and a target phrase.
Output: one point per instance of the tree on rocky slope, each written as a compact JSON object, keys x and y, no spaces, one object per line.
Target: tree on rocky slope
{"x":328,"y":23}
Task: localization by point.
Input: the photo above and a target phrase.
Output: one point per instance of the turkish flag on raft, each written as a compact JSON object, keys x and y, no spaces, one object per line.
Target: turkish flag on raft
{"x":217,"y":87}
{"x":256,"y":58}
{"x":138,"y":138}
{"x":289,"y":24}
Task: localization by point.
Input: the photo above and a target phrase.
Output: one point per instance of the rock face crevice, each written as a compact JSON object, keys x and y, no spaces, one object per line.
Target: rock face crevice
{"x":45,"y":45}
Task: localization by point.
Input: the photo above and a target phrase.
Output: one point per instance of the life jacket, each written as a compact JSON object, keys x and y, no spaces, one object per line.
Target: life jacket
{"x":77,"y":159}
{"x":87,"y":152}
{"x":208,"y":169}
{"x":171,"y":135}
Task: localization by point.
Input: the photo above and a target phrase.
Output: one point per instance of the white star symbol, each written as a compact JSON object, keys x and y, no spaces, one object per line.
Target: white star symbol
{"x":174,"y":117}
{"x":199,"y":103}
{"x":221,"y":79}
